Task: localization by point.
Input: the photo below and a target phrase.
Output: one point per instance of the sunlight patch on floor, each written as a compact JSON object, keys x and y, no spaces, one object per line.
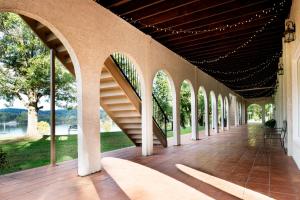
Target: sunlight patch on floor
{"x":226,"y":186}
{"x":140,"y":182}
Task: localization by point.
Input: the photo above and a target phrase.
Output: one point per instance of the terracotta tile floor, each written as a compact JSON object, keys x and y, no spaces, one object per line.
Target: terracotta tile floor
{"x":238,"y":155}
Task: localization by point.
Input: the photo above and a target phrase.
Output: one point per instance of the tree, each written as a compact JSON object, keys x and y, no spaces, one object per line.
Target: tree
{"x":162,"y":93}
{"x":185,"y":104}
{"x":201,"y":108}
{"x":25,"y":70}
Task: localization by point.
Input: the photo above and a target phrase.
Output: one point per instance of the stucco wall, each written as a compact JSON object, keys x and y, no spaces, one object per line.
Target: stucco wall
{"x":290,"y":93}
{"x":91,"y":33}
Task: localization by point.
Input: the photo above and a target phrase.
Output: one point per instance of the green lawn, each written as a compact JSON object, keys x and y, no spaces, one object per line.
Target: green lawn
{"x":29,"y":153}
{"x":186,"y":130}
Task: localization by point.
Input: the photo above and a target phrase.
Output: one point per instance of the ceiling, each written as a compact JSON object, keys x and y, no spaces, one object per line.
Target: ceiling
{"x":236,"y":41}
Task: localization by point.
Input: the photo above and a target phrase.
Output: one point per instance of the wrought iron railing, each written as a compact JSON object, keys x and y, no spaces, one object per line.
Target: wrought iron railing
{"x":129,"y":72}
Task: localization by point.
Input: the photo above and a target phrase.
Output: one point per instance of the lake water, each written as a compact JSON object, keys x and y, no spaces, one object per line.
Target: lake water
{"x":20,"y":130}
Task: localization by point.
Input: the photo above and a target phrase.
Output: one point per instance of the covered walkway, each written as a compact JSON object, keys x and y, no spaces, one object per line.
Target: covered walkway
{"x":238,"y":155}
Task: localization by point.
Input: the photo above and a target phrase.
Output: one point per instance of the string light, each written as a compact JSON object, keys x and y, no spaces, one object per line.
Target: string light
{"x":260,"y":93}
{"x":277,"y":7}
{"x":248,"y":76}
{"x":258,"y":84}
{"x":245,"y":44}
{"x":274,"y":57}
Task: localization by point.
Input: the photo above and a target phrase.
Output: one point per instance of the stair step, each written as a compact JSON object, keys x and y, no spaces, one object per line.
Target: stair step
{"x":105,"y":74}
{"x":51,"y":37}
{"x":106,"y":79}
{"x":135,"y":136}
{"x":112,"y":93}
{"x":111,"y":101}
{"x":40,"y":26}
{"x":68,"y":60}
{"x":132,"y":126}
{"x":134,"y":132}
{"x":139,"y":141}
{"x":126,"y":114}
{"x":121,"y":107}
{"x":127,"y":120}
{"x":109,"y":85}
{"x":61,"y":49}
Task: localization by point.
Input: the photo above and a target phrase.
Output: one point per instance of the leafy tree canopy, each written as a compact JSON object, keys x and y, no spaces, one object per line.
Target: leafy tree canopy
{"x":25,"y":66}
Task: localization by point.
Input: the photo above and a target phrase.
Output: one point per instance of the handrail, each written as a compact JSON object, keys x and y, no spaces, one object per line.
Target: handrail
{"x":130,"y":74}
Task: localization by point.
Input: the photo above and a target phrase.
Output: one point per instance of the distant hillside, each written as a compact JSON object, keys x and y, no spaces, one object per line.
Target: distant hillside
{"x":20,"y":115}
{"x":62,"y":115}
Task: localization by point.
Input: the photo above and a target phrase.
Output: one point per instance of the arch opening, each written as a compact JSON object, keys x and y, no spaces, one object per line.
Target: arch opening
{"x":226,"y":113}
{"x":213,"y":111}
{"x":163,"y":100}
{"x":220,"y":112}
{"x":202,"y":110}
{"x":185,"y":107}
{"x":269,"y":111}
{"x":254,"y":113}
{"x":28,"y":64}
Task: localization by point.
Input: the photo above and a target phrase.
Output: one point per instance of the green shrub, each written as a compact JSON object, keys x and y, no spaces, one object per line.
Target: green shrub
{"x":3,"y":159}
{"x":271,"y":123}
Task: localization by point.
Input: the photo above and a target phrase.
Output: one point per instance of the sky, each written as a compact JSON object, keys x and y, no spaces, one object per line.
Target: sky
{"x":18,"y":104}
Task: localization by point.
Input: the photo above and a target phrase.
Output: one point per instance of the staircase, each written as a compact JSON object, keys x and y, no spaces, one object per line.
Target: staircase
{"x":120,"y":94}
{"x":123,"y":105}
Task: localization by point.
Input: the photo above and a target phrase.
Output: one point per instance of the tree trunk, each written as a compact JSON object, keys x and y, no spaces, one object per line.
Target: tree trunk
{"x":32,"y":124}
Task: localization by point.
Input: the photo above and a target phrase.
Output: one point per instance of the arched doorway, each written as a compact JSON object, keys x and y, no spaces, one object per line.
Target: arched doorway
{"x":213,"y":119}
{"x":185,"y":107}
{"x":269,"y":111}
{"x":220,"y":113}
{"x":226,"y":113}
{"x":163,"y":101}
{"x":254,"y":113}
{"x":202,"y":111}
{"x":28,"y":58}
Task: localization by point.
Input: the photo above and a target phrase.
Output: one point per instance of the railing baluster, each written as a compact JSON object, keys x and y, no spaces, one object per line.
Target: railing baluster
{"x":131,"y":75}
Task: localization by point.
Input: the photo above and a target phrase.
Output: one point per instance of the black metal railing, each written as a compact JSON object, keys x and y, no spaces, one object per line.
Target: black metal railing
{"x":129,"y":72}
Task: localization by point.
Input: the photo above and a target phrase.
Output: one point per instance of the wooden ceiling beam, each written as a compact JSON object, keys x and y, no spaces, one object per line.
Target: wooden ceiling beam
{"x":225,"y":49}
{"x":217,"y":34}
{"x":199,"y":12}
{"x":159,"y":8}
{"x":212,"y":55}
{"x":198,"y":41}
{"x":211,"y":41}
{"x":228,"y":43}
{"x":134,"y":6}
{"x":208,"y":23}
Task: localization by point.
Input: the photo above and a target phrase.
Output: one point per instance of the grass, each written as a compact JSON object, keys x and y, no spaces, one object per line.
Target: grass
{"x":186,"y":130}
{"x":28,"y":153}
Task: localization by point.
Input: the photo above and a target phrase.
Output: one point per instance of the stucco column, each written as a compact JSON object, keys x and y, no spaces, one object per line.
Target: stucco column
{"x":194,"y":104}
{"x":222,"y":117}
{"x":263,"y":114}
{"x":207,"y":125}
{"x":228,"y":119}
{"x":88,"y":96}
{"x":216,"y":117}
{"x":176,"y":116}
{"x":290,"y":101}
{"x":147,"y":121}
{"x":236,"y":114}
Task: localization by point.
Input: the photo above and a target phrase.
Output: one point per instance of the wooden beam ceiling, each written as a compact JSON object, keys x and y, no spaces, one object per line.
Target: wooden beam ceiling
{"x":237,"y":21}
